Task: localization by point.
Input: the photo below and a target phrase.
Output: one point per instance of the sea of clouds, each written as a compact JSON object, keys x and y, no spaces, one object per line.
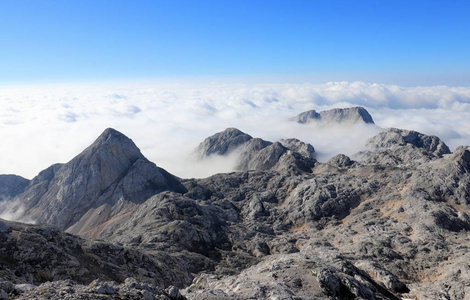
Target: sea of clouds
{"x":42,"y":125}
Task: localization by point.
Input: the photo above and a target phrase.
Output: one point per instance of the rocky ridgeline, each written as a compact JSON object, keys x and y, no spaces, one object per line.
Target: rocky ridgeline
{"x":388,"y":223}
{"x":258,"y":154}
{"x":336,"y":116}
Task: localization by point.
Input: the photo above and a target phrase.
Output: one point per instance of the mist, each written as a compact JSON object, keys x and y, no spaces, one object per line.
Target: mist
{"x":42,"y":125}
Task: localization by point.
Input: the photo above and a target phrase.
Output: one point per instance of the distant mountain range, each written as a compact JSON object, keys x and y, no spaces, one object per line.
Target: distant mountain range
{"x":387,"y":223}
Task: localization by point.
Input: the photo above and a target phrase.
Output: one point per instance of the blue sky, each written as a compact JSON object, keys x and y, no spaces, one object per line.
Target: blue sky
{"x":403,"y":42}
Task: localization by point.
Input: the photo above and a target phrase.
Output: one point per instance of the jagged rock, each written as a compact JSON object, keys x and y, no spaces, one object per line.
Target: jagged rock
{"x":294,"y":276}
{"x":130,"y":289}
{"x":174,"y":293}
{"x":35,"y":254}
{"x":402,"y":148}
{"x":265,"y":158}
{"x":432,"y":145}
{"x":340,"y":161}
{"x":392,"y":224}
{"x":257,"y":154}
{"x":300,"y":147}
{"x":336,"y":115}
{"x":222,"y":143}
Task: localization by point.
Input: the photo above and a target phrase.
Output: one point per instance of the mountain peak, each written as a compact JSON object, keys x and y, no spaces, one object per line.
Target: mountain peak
{"x":111,"y":169}
{"x":112,"y":144}
{"x":112,"y":135}
{"x":307,"y":116}
{"x":394,"y":136}
{"x":222,"y":143}
{"x":337,"y":115}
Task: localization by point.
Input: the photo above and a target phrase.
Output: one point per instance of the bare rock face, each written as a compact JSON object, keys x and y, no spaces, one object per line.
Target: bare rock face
{"x":391,"y":224}
{"x":111,"y":171}
{"x":300,"y":147}
{"x":340,"y":161}
{"x":432,"y":145}
{"x":307,"y":116}
{"x":397,"y":147}
{"x":36,"y":254}
{"x":98,"y":289}
{"x":336,"y":115}
{"x":11,"y":185}
{"x":222,"y":143}
{"x":258,"y":154}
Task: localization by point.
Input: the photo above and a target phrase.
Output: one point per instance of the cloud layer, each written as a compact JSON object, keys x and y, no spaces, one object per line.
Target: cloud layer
{"x":43,"y":125}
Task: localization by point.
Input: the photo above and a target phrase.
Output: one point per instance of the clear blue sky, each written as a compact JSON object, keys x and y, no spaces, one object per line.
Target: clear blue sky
{"x":420,"y":42}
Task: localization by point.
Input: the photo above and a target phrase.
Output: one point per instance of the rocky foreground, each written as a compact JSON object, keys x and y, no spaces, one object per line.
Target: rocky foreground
{"x":388,"y":223}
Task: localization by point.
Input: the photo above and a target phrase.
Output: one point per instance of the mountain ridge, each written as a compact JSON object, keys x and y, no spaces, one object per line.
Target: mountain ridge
{"x":376,"y":225}
{"x":355,"y":114}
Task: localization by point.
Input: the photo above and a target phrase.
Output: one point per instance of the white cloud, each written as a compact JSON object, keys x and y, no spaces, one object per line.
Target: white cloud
{"x":40,"y":126}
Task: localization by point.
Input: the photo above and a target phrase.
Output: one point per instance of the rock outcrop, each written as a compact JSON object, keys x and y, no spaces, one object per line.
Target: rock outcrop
{"x":432,"y":145}
{"x":258,"y":154}
{"x":35,"y":254}
{"x":337,"y":116}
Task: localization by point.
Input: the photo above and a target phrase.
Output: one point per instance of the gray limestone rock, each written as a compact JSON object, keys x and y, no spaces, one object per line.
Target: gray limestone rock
{"x":131,"y":289}
{"x":432,"y":145}
{"x":336,"y":115}
{"x":340,"y":161}
{"x":258,"y":154}
{"x":34,"y":254}
{"x":392,"y":224}
{"x":222,"y":143}
{"x":111,"y":171}
{"x":300,"y":147}
{"x":11,"y":185}
{"x":307,"y":116}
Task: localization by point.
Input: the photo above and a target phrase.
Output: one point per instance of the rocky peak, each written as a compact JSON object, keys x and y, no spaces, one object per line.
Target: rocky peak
{"x":110,"y":171}
{"x":256,"y":153}
{"x":432,"y":145}
{"x":337,"y":115}
{"x":222,"y":143}
{"x":300,"y":147}
{"x":307,"y":116}
{"x":11,"y":185}
{"x":112,"y":146}
{"x":340,"y":161}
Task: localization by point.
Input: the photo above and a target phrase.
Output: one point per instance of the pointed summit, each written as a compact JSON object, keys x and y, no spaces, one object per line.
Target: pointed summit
{"x":111,"y":135}
{"x":112,"y":144}
{"x":110,"y":170}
